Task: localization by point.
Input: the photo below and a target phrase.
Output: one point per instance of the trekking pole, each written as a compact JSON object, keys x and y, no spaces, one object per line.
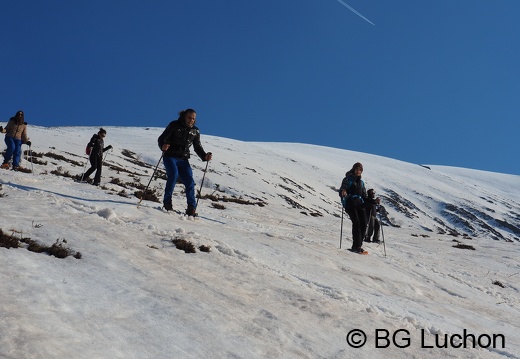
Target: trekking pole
{"x":30,"y":156}
{"x":201,"y":183}
{"x":382,"y":233}
{"x":341,"y":230}
{"x":104,"y":158}
{"x":150,"y":181}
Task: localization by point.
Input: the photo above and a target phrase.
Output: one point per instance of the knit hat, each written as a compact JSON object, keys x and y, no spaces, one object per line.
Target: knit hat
{"x":357,"y":165}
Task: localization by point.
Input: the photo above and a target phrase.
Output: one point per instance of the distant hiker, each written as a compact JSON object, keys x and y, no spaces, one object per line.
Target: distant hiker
{"x":372,"y":207}
{"x":15,"y":136}
{"x":175,"y":142}
{"x":353,"y":196}
{"x":95,"y":149}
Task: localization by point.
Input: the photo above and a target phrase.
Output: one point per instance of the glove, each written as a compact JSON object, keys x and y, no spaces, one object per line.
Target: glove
{"x":28,"y":143}
{"x":209,"y":156}
{"x":1,"y":129}
{"x":109,"y":147}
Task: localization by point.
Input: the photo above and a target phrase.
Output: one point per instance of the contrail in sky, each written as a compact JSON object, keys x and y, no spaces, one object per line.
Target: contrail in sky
{"x":354,"y":11}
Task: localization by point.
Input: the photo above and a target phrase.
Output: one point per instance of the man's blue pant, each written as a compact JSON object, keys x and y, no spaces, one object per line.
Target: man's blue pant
{"x":175,"y":168}
{"x":14,"y":149}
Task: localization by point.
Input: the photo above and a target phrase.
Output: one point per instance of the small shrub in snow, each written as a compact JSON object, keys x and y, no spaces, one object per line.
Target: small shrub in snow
{"x":464,"y":246}
{"x":7,"y":241}
{"x":123,"y":193}
{"x":217,"y":198}
{"x":118,"y":182}
{"x":57,"y":250}
{"x":204,"y":248}
{"x":25,"y":170}
{"x":500,"y":284}
{"x":60,"y":172}
{"x":149,"y":195}
{"x":184,"y":245}
{"x":62,"y":158}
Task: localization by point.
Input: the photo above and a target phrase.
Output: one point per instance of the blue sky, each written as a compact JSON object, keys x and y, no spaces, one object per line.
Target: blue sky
{"x":432,"y":82}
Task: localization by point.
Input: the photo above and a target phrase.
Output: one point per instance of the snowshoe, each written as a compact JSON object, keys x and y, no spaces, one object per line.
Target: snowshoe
{"x":191,"y":212}
{"x":358,"y":251}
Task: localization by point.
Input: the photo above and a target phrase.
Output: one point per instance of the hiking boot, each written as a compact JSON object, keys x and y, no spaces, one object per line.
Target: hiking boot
{"x":191,"y":211}
{"x":168,"y":206}
{"x":5,"y":166}
{"x":368,"y":240}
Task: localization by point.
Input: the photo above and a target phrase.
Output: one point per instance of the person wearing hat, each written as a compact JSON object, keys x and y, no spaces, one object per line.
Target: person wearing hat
{"x":15,"y":135}
{"x":353,"y":195}
{"x":372,"y":207}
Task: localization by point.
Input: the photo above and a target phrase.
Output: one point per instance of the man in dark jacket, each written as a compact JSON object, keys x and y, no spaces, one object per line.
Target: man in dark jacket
{"x":353,"y":195}
{"x":95,"y":151}
{"x":372,"y":207}
{"x":175,"y":142}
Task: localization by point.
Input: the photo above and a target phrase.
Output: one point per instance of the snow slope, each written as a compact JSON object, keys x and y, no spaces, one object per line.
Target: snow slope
{"x":275,"y":283}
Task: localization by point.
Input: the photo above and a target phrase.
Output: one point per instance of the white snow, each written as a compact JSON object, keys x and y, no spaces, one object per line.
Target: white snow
{"x":275,"y":283}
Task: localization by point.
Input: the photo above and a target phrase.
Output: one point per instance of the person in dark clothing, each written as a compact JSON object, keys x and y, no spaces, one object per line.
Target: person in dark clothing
{"x":175,"y":142}
{"x":15,"y":135}
{"x":353,"y":195}
{"x":95,"y":149}
{"x":372,"y":207}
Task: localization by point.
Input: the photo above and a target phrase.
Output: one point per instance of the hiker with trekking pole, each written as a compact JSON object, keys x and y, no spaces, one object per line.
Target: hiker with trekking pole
{"x":372,"y":206}
{"x":353,"y":195}
{"x":175,"y":143}
{"x":15,"y":135}
{"x":95,"y":149}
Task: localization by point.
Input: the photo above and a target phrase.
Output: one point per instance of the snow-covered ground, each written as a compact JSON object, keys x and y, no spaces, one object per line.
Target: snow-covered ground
{"x":275,"y":283}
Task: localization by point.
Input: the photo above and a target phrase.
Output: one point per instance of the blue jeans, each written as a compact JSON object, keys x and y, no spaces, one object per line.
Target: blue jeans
{"x":175,"y":168}
{"x":14,"y":149}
